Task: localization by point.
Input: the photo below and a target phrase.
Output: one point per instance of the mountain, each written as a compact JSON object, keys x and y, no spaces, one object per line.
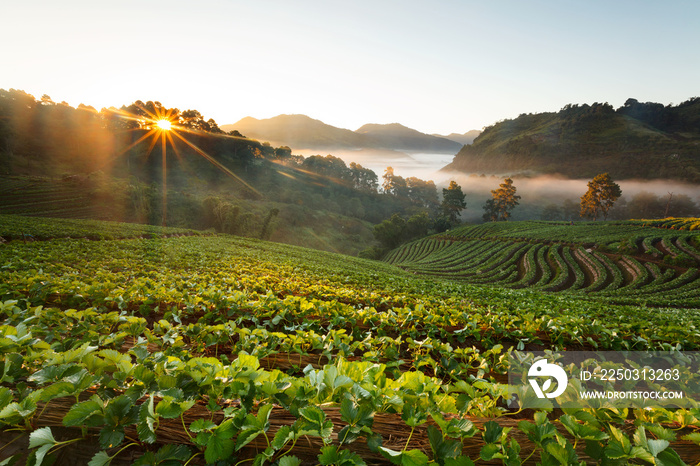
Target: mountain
{"x":299,"y":132}
{"x":302,"y":132}
{"x":464,"y":139}
{"x":638,"y":140}
{"x":398,"y":137}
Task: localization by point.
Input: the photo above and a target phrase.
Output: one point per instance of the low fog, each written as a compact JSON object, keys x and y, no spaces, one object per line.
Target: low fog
{"x":542,"y":197}
{"x":539,"y":192}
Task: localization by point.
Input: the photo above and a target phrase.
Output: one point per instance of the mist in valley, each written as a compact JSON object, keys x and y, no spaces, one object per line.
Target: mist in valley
{"x":543,"y":197}
{"x":558,"y":198}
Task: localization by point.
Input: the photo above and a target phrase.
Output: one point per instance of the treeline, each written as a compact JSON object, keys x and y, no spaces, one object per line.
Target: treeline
{"x":643,"y":205}
{"x":638,"y":140}
{"x":215,"y":179}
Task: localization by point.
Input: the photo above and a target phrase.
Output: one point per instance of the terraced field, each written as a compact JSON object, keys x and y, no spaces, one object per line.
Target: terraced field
{"x":41,"y":197}
{"x":624,"y":262}
{"x":153,"y":347}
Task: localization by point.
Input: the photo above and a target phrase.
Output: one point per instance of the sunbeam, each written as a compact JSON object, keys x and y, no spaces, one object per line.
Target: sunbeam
{"x":162,"y":124}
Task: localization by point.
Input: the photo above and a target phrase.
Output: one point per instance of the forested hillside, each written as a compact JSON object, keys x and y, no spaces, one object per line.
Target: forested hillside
{"x":638,"y":140}
{"x":117,"y":164}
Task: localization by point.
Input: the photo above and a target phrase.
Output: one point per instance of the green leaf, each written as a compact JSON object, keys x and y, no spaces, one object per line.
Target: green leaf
{"x":348,"y":434}
{"x":146,"y":431}
{"x":313,"y":414}
{"x":492,"y":432}
{"x":41,"y":452}
{"x":171,"y":452}
{"x":392,"y":455}
{"x":101,"y":458}
{"x":290,"y":461}
{"x":669,"y":457}
{"x":10,"y":461}
{"x":558,"y":452}
{"x":202,"y":424}
{"x":111,"y":436}
{"x":263,"y":416}
{"x":219,"y":444}
{"x":374,"y":442}
{"x":121,"y":411}
{"x":348,"y":411}
{"x":342,"y":381}
{"x":616,"y":449}
{"x":413,"y":417}
{"x":247,"y":436}
{"x":414,"y":458}
{"x":328,"y":455}
{"x":169,"y":409}
{"x":661,"y":432}
{"x":694,"y":437}
{"x":441,"y":447}
{"x":459,"y":461}
{"x":283,"y":435}
{"x":41,"y":437}
{"x":587,"y":432}
{"x":657,"y":446}
{"x":56,"y":390}
{"x":489,"y":451}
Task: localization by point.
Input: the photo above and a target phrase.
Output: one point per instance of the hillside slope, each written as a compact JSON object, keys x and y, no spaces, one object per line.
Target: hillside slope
{"x":643,"y":141}
{"x":629,"y":262}
{"x":139,"y":342}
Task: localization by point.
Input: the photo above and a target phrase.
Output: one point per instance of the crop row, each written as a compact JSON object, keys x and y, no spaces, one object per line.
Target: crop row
{"x":520,"y":264}
{"x":204,"y":349}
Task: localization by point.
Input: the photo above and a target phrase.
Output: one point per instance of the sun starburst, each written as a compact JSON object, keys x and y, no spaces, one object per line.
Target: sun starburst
{"x":162,"y":123}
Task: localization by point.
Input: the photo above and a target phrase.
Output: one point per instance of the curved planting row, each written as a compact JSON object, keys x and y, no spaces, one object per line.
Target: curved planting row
{"x":628,"y":266}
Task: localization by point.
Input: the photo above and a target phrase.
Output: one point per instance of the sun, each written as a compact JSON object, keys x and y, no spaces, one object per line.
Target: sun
{"x":164,"y":125}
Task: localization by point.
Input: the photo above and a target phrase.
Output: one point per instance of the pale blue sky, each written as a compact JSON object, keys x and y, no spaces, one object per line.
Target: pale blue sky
{"x":442,"y":67}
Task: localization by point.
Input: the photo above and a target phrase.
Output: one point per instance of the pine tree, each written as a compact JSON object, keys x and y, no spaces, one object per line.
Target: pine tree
{"x":453,"y":202}
{"x":600,"y":197}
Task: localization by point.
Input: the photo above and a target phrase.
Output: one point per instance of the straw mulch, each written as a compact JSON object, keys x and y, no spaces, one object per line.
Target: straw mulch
{"x":394,"y":431}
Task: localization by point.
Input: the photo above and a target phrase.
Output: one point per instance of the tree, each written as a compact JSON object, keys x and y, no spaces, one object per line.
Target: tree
{"x":394,"y":184}
{"x":363,"y":179}
{"x":423,"y":193}
{"x":390,"y":232}
{"x":600,"y":197}
{"x":490,"y":211}
{"x":645,"y":205}
{"x":551,"y":212}
{"x":504,"y":200}
{"x":570,"y":210}
{"x":453,"y":202}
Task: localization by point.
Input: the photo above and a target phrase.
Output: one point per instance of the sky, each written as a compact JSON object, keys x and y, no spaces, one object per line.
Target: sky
{"x":438,"y":67}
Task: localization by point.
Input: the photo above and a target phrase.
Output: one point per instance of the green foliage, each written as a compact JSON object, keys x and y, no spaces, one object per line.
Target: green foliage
{"x":504,"y":200}
{"x":453,"y":202}
{"x":600,"y":197}
{"x":259,"y":346}
{"x":636,"y":141}
{"x":558,"y":257}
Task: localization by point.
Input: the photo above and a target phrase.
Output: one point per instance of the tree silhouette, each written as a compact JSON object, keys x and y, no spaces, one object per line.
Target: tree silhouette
{"x":504,"y":200}
{"x":453,"y":202}
{"x":600,"y":197}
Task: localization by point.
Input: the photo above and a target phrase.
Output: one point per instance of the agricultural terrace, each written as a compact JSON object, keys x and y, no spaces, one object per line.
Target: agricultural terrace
{"x":653,"y":263}
{"x":221,"y":350}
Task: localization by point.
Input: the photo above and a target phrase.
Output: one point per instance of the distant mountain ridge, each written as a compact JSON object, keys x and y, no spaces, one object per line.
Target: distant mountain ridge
{"x":465,"y":139}
{"x":303,"y":132}
{"x":638,"y":140}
